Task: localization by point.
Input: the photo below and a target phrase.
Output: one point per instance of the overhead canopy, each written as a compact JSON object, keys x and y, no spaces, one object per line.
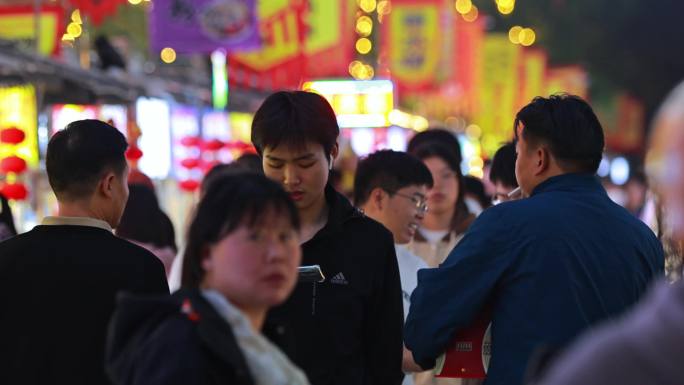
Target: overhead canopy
{"x":62,"y":82}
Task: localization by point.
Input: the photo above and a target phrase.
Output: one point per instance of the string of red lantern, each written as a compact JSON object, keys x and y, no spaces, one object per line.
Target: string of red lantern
{"x":13,"y":164}
{"x":190,"y":184}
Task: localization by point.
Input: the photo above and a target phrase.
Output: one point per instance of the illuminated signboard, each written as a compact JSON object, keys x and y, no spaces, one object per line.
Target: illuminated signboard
{"x":18,"y":110}
{"x":153,"y":118}
{"x":63,"y":114}
{"x":357,"y":103}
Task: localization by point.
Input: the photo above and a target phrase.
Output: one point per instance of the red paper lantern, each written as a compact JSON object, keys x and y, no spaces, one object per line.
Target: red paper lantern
{"x":191,"y":141}
{"x":16,"y":191}
{"x":190,"y":163}
{"x":213,"y":145}
{"x":133,"y":153}
{"x":13,"y":164}
{"x":188,"y":185}
{"x":12,"y":135}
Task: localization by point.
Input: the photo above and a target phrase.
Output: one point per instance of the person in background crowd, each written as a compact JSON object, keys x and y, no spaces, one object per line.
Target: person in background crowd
{"x":547,"y":267}
{"x":145,"y":224}
{"x":436,"y":135}
{"x":7,"y":229}
{"x":391,"y":187}
{"x":475,"y":197}
{"x":502,"y":173}
{"x":250,"y":162}
{"x":346,"y":330}
{"x":241,"y":258}
{"x":635,"y":192}
{"x":58,"y":281}
{"x":448,"y":218}
{"x":645,"y":345}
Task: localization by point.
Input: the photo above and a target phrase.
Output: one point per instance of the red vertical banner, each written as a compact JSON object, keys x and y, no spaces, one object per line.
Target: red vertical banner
{"x":467,"y":59}
{"x":622,"y":118}
{"x":280,"y":63}
{"x":532,"y":76}
{"x":329,"y":39}
{"x":412,"y":43}
{"x":300,"y":40}
{"x":499,"y":91}
{"x":571,"y":79}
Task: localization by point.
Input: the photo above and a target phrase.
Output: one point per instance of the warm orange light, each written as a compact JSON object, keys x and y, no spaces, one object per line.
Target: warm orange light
{"x":363,"y":45}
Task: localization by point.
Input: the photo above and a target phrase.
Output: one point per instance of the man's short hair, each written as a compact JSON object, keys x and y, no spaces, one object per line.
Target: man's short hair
{"x":78,"y":156}
{"x":503,"y":166}
{"x":568,"y":126}
{"x":294,"y":118}
{"x":435,"y":135}
{"x":390,"y":171}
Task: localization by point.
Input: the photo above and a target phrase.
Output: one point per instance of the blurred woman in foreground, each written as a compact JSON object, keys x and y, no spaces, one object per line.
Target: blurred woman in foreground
{"x":241,"y":258}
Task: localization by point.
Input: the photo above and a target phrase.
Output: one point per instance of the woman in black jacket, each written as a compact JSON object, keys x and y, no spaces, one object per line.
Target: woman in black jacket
{"x":241,"y":259}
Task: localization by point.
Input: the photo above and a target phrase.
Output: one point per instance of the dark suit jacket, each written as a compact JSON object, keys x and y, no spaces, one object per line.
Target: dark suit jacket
{"x":57,"y":292}
{"x":177,"y":340}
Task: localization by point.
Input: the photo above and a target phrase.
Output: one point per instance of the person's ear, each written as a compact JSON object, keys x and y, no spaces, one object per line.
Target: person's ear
{"x":106,"y":185}
{"x":206,"y":262}
{"x":378,"y":198}
{"x":334,"y":152}
{"x":543,"y":160}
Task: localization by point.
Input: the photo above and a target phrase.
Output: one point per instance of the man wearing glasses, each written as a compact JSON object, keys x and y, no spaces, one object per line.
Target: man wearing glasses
{"x":391,"y":187}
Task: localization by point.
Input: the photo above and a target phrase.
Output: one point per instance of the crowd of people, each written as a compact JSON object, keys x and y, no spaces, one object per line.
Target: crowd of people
{"x":101,"y":294}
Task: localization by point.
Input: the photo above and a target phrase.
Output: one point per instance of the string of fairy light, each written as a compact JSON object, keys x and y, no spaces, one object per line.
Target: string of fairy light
{"x":368,"y":12}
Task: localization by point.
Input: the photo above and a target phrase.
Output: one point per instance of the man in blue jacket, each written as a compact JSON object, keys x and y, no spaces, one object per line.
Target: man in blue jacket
{"x":548,"y":266}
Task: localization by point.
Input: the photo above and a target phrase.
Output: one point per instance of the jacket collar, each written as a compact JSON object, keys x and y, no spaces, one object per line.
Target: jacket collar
{"x":216,"y":334}
{"x":76,"y":221}
{"x":570,"y":182}
{"x":340,"y":210}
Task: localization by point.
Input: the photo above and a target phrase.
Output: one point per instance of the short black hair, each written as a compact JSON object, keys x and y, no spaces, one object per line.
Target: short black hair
{"x":294,"y":118}
{"x":230,"y":201}
{"x":568,"y":126}
{"x":238,"y":166}
{"x":143,"y":220}
{"x":438,"y":135}
{"x":78,"y":156}
{"x":503,"y":166}
{"x":390,"y":171}
{"x":251,"y":162}
{"x":474,"y":186}
{"x":445,"y":153}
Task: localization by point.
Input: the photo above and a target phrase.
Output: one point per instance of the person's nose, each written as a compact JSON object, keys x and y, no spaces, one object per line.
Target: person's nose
{"x":276,"y":249}
{"x":291,"y":176}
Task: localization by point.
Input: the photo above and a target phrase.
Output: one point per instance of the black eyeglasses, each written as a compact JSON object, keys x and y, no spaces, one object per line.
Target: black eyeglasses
{"x":421,"y":203}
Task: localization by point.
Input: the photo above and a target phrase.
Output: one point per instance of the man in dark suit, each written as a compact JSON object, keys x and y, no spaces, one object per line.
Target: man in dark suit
{"x":58,"y":282}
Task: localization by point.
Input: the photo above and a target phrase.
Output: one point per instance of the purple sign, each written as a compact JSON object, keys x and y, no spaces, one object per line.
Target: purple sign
{"x":202,"y":26}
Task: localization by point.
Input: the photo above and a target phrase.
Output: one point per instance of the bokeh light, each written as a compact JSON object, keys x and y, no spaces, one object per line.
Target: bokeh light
{"x":168,"y":55}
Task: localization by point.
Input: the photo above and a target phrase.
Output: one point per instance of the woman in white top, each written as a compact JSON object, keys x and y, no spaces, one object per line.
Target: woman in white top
{"x":448,"y":218}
